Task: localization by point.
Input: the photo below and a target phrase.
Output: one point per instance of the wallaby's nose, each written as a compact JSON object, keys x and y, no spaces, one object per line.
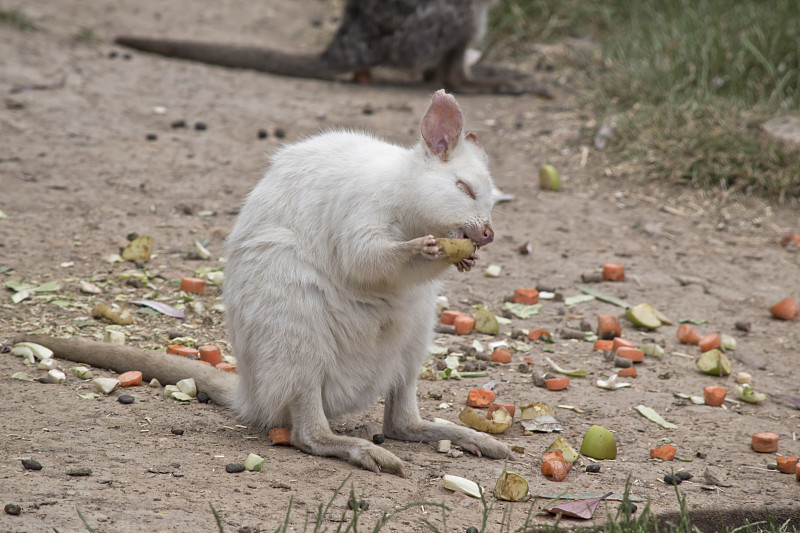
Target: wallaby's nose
{"x":488,"y":234}
{"x":484,"y":237}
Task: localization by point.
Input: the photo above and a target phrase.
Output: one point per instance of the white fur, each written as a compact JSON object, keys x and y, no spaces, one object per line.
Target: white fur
{"x":323,"y":294}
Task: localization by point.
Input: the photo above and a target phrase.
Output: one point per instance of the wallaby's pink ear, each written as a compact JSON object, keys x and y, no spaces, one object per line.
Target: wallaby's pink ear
{"x":442,"y":124}
{"x":472,"y":137}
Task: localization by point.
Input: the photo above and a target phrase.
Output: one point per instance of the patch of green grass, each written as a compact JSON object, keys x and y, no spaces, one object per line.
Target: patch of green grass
{"x":16,"y":18}
{"x":86,"y":36}
{"x":682,"y":80}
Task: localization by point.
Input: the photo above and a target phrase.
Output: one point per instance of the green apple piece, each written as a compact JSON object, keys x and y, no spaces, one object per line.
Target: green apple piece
{"x":643,"y":316}
{"x":549,"y":178}
{"x":652,"y":349}
{"x":510,"y":487}
{"x":254,"y":462}
{"x":727,"y":343}
{"x":486,"y":322}
{"x":714,"y":362}
{"x":599,"y":443}
{"x":746,"y":393}
{"x":567,"y":451}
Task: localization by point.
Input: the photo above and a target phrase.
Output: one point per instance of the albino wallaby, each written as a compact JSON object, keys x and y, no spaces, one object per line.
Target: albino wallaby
{"x":330,"y":286}
{"x":432,"y":37}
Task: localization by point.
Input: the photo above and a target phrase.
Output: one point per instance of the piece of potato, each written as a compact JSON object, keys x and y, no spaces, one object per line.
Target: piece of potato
{"x":456,"y":249}
{"x":476,"y":421}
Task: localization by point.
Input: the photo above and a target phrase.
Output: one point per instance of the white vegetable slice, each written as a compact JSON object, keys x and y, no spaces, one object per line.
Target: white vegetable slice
{"x":106,"y":385}
{"x":187,"y":386}
{"x":460,"y":484}
{"x":39,"y":352}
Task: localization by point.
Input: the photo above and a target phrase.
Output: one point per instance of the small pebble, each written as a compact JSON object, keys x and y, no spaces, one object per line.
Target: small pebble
{"x":200,"y":126}
{"x":112,"y":54}
{"x":378,"y":438}
{"x":280,"y":133}
{"x":233,"y":468}
{"x":683,"y":475}
{"x":669,"y":479}
{"x":176,"y":431}
{"x":31,"y":464}
{"x":472,"y":529}
{"x":152,"y":137}
{"x":202,"y":397}
{"x":354,"y":504}
{"x":631,"y":508}
{"x":262,"y":134}
{"x":126,"y":399}
{"x":178,"y":124}
{"x":13,"y":509}
{"x":126,"y":57}
{"x":368,"y":110}
{"x":80,"y":472}
{"x":593,"y":468}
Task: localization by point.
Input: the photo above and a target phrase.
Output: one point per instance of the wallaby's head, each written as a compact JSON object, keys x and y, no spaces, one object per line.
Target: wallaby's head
{"x":455,"y":182}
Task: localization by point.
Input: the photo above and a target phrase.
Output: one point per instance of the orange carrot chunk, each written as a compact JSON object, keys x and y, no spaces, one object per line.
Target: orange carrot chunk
{"x":603,"y":345}
{"x":608,"y":326}
{"x":766,"y":442}
{"x":210,"y":353}
{"x":526,"y":296}
{"x":629,"y":372}
{"x":687,"y":334}
{"x":787,"y":465}
{"x":193,"y":285}
{"x":714,"y":395}
{"x":790,"y":238}
{"x":786,"y":309}
{"x":495,"y":406}
{"x":131,"y":378}
{"x":634,"y":354}
{"x":620,"y":342}
{"x":448,"y":316}
{"x":553,"y":455}
{"x":227,"y":367}
{"x":280,"y":436}
{"x":554,"y":384}
{"x":556,"y":469}
{"x":537,"y":334}
{"x":709,"y":342}
{"x":613,"y":272}
{"x":480,"y":398}
{"x":666,"y":452}
{"x":464,"y":324}
{"x":183,"y":351}
{"x":501,"y":354}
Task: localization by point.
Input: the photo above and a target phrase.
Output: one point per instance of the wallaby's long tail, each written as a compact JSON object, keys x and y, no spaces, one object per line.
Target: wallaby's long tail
{"x":167,"y":369}
{"x":245,"y":57}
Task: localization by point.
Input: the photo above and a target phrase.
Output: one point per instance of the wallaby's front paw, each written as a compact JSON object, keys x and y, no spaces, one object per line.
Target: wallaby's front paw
{"x":426,"y":247}
{"x":466,"y":264}
{"x":481,"y":445}
{"x":375,"y":458}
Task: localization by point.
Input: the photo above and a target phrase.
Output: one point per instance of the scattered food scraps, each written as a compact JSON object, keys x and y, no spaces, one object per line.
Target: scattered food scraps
{"x":653,"y":416}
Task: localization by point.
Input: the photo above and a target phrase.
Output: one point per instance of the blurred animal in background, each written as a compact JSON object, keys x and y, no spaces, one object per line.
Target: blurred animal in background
{"x":432,"y":38}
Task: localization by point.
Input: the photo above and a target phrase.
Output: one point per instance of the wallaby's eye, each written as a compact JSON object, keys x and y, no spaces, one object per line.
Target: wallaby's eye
{"x":465,"y":188}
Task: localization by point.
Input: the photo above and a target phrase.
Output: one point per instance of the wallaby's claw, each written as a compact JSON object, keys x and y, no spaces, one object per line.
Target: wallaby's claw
{"x":377,"y":459}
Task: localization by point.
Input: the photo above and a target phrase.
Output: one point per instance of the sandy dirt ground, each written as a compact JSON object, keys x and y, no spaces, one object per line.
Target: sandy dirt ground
{"x":78,"y":174}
